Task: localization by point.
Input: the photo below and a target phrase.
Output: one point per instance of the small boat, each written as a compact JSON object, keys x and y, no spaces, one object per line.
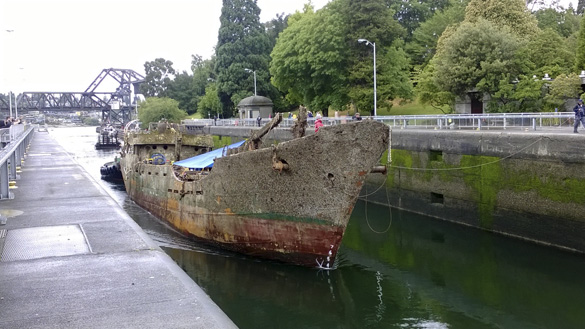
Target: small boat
{"x":107,"y":138}
{"x":289,"y":202}
{"x":110,"y":171}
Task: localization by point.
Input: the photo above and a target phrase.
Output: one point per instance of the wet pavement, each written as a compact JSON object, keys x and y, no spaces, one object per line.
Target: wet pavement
{"x":71,"y":257}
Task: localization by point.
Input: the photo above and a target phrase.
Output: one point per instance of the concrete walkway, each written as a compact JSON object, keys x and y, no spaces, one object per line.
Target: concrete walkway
{"x":72,"y":258}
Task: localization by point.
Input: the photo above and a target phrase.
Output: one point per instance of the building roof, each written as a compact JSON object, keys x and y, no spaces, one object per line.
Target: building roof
{"x":255,"y":101}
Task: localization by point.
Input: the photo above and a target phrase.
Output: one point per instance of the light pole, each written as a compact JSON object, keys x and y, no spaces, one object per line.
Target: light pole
{"x":10,"y":94}
{"x":248,"y":70}
{"x":373,"y":44}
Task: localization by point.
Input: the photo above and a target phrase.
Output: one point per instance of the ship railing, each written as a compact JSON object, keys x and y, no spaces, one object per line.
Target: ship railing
{"x":495,"y":121}
{"x":11,"y":157}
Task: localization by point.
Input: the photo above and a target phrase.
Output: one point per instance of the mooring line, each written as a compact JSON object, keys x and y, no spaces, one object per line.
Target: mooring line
{"x":368,"y":221}
{"x":470,"y":167}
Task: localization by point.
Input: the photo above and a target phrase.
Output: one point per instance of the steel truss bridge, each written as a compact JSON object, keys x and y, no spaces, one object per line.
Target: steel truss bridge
{"x":116,"y":106}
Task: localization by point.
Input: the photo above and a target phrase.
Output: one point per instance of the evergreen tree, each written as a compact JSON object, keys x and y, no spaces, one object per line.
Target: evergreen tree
{"x":242,"y":44}
{"x":580,"y":54}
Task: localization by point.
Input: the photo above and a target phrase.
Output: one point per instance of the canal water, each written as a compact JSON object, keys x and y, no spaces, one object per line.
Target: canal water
{"x":395,"y":270}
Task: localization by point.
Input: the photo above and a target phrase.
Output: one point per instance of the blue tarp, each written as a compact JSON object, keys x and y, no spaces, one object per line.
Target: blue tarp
{"x":205,"y":160}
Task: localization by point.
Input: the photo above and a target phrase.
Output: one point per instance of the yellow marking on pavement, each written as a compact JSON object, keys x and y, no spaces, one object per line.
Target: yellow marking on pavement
{"x":11,"y":212}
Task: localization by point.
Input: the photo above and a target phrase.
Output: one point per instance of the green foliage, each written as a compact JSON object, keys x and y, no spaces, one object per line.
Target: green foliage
{"x":309,"y":60}
{"x":580,"y":54}
{"x":562,"y":88}
{"x":209,"y":104}
{"x":550,"y":54}
{"x":90,"y":121}
{"x":424,"y":39}
{"x":522,"y":94}
{"x":564,"y":22}
{"x":242,"y":44}
{"x":510,"y":13}
{"x":153,"y":109}
{"x":374,"y":21}
{"x":274,"y":27}
{"x":157,"y":79}
{"x":429,"y":92}
{"x":411,"y":13}
{"x":203,"y":75}
{"x":477,"y":56}
{"x":181,"y":90}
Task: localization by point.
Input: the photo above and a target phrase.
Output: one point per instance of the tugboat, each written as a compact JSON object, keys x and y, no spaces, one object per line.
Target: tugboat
{"x":107,"y":138}
{"x":110,"y":171}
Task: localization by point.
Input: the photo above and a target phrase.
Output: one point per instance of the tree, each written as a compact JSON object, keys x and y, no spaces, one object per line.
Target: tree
{"x":309,"y":60}
{"x":153,"y":109}
{"x":562,"y":88}
{"x":476,"y":56}
{"x":563,"y":21}
{"x":274,"y":27}
{"x":209,"y":104}
{"x":411,"y":13}
{"x":242,"y":44}
{"x":429,"y":92}
{"x":580,"y":53}
{"x":550,"y":54}
{"x":510,"y":13}
{"x":373,"y":20}
{"x":203,"y":75}
{"x":424,"y":39}
{"x":158,"y":77}
{"x":181,"y":90}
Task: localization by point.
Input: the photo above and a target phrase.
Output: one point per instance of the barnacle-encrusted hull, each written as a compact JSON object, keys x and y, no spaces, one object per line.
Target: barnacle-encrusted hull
{"x":249,"y":203}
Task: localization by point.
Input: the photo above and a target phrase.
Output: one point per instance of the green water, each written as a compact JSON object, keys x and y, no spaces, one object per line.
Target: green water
{"x":419,"y":273}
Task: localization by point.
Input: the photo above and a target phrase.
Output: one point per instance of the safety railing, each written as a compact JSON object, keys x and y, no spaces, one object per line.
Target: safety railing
{"x":9,"y":134}
{"x":11,"y":157}
{"x":525,"y":121}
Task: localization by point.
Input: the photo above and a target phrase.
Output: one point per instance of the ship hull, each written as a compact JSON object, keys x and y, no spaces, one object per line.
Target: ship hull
{"x":297,"y":214}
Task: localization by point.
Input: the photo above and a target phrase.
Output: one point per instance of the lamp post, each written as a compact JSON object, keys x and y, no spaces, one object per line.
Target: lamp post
{"x":10,"y":94}
{"x":249,"y":71}
{"x":373,"y":44}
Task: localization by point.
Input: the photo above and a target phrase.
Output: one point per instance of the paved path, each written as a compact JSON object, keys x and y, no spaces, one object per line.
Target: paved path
{"x":72,"y":258}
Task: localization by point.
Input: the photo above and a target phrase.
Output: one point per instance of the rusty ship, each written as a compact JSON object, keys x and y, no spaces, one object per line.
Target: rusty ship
{"x":289,"y":201}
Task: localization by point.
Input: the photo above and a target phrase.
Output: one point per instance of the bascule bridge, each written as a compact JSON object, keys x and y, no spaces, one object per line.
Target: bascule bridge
{"x":116,"y":106}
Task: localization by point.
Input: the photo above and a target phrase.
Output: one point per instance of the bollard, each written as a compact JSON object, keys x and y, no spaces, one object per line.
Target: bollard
{"x":533,"y":123}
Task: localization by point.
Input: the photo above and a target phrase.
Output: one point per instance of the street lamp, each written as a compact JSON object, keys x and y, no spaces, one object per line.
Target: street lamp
{"x":249,"y":71}
{"x":10,"y":94}
{"x":373,"y":44}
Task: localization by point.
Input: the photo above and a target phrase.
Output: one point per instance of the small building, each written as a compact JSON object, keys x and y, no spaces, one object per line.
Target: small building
{"x":472,"y":103}
{"x":251,"y":107}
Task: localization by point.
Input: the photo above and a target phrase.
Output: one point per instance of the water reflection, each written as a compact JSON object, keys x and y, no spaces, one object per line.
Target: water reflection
{"x":418,"y":273}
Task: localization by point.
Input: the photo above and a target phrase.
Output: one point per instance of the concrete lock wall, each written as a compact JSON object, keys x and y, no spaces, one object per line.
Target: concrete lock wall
{"x":526,"y":185}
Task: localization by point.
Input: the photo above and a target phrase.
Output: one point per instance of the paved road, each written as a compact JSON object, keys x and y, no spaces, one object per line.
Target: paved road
{"x":72,"y":258}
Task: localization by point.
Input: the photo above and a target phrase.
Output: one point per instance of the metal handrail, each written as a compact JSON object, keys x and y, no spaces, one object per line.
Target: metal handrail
{"x":11,"y":157}
{"x":531,"y":121}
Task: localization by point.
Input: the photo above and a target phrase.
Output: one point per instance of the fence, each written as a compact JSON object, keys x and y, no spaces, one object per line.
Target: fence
{"x":530,"y":121}
{"x":12,"y":155}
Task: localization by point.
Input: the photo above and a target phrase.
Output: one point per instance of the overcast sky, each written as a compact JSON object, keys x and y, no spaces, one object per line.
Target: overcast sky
{"x":62,"y":45}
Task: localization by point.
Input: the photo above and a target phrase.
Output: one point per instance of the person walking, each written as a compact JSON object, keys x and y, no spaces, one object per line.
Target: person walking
{"x":579,"y":110}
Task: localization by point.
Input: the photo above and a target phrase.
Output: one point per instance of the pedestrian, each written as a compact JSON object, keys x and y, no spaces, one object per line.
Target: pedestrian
{"x":357,"y":117}
{"x":318,"y":122}
{"x":579,"y":110}
{"x":259,"y":120}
